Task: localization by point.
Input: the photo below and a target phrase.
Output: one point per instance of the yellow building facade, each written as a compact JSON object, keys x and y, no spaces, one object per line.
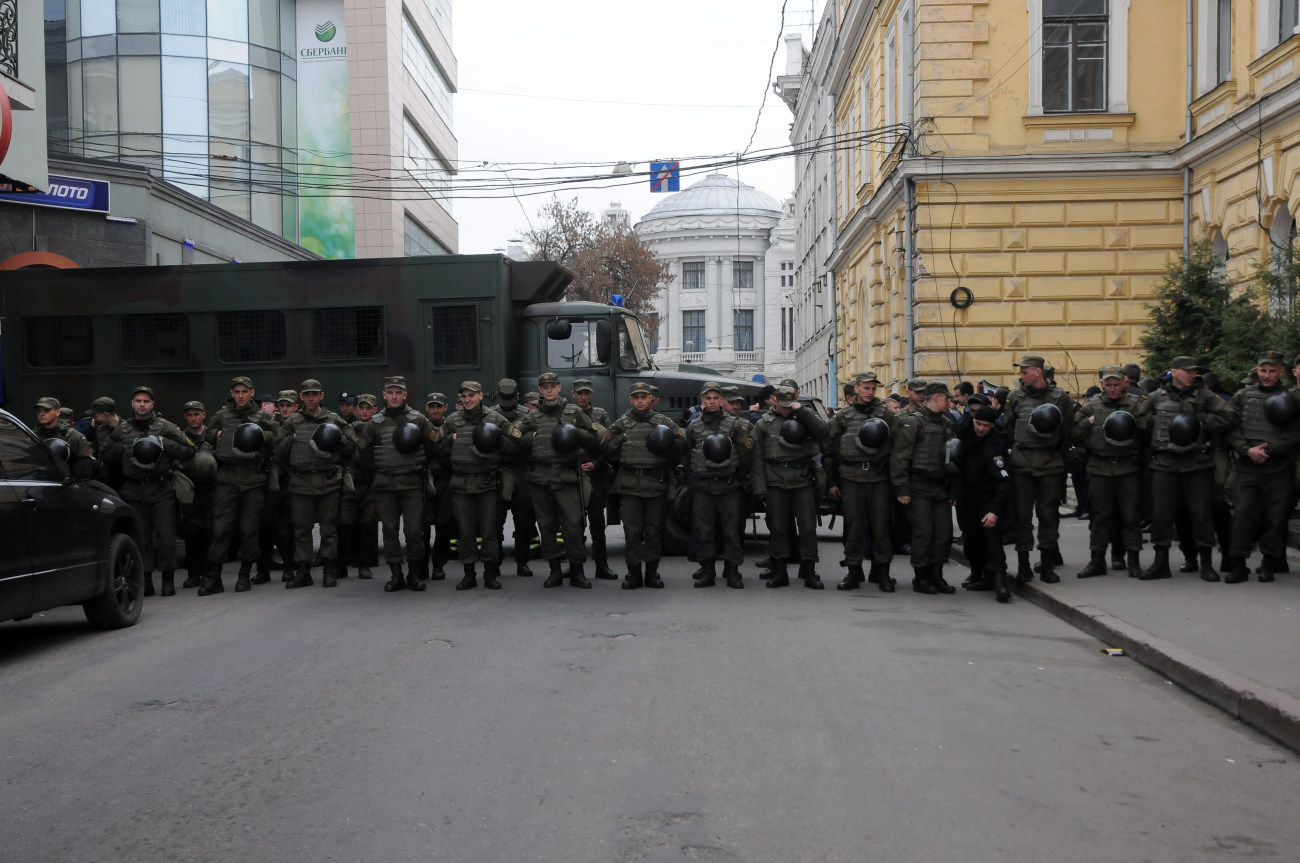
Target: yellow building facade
{"x":1015,"y":177}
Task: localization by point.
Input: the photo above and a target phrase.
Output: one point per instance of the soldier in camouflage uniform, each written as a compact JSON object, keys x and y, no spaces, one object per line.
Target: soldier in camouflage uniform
{"x":1038,"y":466}
{"x":784,"y":475}
{"x":924,"y":484}
{"x":277,"y":531}
{"x":315,"y":482}
{"x":357,"y":519}
{"x":196,"y":518}
{"x":475,"y":481}
{"x":1260,"y":482}
{"x":516,"y":499}
{"x":241,"y":488}
{"x":859,"y":478}
{"x":600,"y":478}
{"x":400,"y":484}
{"x":51,"y":424}
{"x":148,"y":486}
{"x":1114,"y":471}
{"x":716,"y":487}
{"x":642,"y":481}
{"x":103,"y":419}
{"x":439,"y":513}
{"x":1183,"y":473}
{"x":554,"y":480}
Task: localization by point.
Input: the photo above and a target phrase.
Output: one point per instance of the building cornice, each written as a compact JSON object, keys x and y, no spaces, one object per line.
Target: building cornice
{"x":848,"y":41}
{"x":1259,"y":116}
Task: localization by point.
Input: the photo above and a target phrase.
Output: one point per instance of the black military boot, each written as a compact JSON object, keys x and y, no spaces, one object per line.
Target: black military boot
{"x":766,"y":567}
{"x":416,"y":576}
{"x":193,"y":578}
{"x":936,"y":579}
{"x":1024,"y":569}
{"x":1189,"y":561}
{"x":521,"y":568}
{"x":1225,"y":561}
{"x":302,"y":579}
{"x":1208,"y":572}
{"x":1134,"y":565}
{"x":1001,"y":591}
{"x":212,"y":584}
{"x":603,"y":572}
{"x":578,"y":579}
{"x":470,"y":581}
{"x":854,"y":579}
{"x":708,"y":574}
{"x":652,"y":578}
{"x":883,"y":579}
{"x":780,"y":577}
{"x":556,"y":578}
{"x":1117,"y":558}
{"x":492,"y":576}
{"x":397,"y":579}
{"x":975,"y":581}
{"x":1096,"y":566}
{"x":808,"y":574}
{"x":329,"y":573}
{"x":633,"y":581}
{"x":148,"y":584}
{"x":437,"y":573}
{"x":242,"y":583}
{"x":1159,"y":568}
{"x":168,"y":583}
{"x":1047,"y":568}
{"x":1265,"y":572}
{"x":364,"y":573}
{"x":263,"y":574}
{"x":1238,"y":572}
{"x":731,"y":573}
{"x":921,"y":580}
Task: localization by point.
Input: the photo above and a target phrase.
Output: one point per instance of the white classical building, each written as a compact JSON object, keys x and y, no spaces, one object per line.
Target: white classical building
{"x":730,"y":249}
{"x":806,"y":89}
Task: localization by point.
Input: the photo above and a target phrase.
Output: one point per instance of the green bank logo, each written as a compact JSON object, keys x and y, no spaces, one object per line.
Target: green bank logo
{"x":325,"y":32}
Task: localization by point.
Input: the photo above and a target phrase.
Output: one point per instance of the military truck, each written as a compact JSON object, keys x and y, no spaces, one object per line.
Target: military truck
{"x":186,"y":330}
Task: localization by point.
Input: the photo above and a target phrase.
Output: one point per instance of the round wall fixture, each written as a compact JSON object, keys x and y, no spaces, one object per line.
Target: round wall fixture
{"x":961,"y":298}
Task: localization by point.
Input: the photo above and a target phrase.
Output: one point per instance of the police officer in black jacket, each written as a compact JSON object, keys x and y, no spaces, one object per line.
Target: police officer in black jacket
{"x":984,"y":502}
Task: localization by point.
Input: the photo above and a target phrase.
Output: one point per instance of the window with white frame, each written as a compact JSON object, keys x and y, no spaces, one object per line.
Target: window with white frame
{"x":743,"y":331}
{"x":1213,"y":44}
{"x":1080,"y":56}
{"x":1274,"y":24}
{"x":742,"y":273}
{"x":693,"y":332}
{"x":692,"y":275}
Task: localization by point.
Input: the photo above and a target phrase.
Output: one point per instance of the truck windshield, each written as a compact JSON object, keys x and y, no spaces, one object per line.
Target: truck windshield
{"x":578,"y":351}
{"x":632,"y":353}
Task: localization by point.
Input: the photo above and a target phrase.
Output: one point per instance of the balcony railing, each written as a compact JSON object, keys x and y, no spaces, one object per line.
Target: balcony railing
{"x":692,"y":357}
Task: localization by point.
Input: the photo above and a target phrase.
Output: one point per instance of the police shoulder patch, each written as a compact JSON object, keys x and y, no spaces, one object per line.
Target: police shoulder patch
{"x":998,"y":460}
{"x":514,"y":432}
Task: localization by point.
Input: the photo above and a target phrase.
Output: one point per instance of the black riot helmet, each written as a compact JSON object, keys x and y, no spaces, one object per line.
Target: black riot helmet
{"x":249,"y":438}
{"x":660,"y":440}
{"x":1119,"y":427}
{"x":59,"y":447}
{"x":1045,"y":419}
{"x":1281,"y":409}
{"x":564,"y":439}
{"x":487,"y":437}
{"x":874,"y":433}
{"x":794,"y":432}
{"x":202,"y":469}
{"x":328,"y":437}
{"x":1184,"y":429}
{"x":407,"y":438}
{"x":717,"y":448}
{"x":146,"y":450}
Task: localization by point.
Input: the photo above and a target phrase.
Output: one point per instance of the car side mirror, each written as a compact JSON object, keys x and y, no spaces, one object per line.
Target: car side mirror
{"x":559,"y":329}
{"x":604,"y":341}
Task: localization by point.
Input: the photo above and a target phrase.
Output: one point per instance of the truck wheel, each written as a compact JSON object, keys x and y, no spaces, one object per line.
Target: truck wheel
{"x":122,"y":599}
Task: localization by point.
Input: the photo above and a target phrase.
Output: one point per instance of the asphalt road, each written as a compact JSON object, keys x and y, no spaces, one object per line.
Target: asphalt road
{"x":609,"y":725}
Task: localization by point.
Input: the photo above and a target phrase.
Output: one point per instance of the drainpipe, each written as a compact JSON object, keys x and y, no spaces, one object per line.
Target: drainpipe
{"x":832,"y":351}
{"x":909,"y":279}
{"x":1187,"y":137}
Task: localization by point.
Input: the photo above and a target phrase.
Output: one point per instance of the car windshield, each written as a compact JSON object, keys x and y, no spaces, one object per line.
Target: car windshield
{"x":632,"y":353}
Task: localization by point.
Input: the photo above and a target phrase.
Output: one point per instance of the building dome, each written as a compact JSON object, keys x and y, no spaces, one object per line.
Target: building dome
{"x":716,"y":195}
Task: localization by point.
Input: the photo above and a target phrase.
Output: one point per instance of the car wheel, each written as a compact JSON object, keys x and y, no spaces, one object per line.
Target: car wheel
{"x":123,"y":597}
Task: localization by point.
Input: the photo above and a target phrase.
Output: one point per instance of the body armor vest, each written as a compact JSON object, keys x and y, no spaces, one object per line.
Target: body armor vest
{"x":156,"y":426}
{"x":1026,"y":437}
{"x":1098,"y":443}
{"x":599,"y":416}
{"x":546,"y":424}
{"x":387,"y":458}
{"x":465,"y":458}
{"x":635,"y":453}
{"x":1166,"y":408}
{"x":228,"y":419}
{"x":700,"y":429}
{"x":927,"y":457}
{"x":1255,"y":427}
{"x":855,"y":417}
{"x":301,"y":455}
{"x":776,"y":449}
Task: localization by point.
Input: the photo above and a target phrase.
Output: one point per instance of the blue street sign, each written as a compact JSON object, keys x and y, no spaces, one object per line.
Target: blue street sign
{"x":69,"y":193}
{"x":665,"y":176}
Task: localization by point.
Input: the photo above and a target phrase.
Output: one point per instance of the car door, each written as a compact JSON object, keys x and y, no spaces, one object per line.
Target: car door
{"x":15,"y":569}
{"x":56,"y":519}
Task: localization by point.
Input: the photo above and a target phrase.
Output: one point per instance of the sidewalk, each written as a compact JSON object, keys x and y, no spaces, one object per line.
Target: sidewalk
{"x":1235,"y":645}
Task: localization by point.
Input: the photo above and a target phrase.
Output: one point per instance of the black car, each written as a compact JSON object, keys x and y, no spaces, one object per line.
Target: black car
{"x":67,"y":539}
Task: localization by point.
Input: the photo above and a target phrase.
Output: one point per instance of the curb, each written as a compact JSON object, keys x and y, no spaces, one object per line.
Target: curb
{"x":1270,"y":711}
